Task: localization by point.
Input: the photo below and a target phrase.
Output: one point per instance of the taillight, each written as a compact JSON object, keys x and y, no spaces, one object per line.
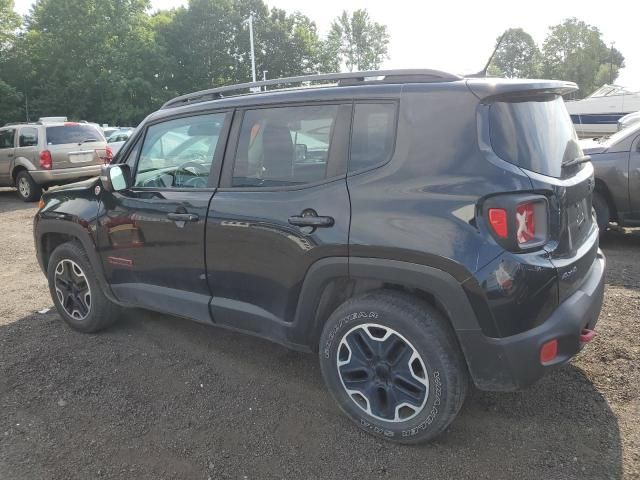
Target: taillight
{"x":517,"y":221}
{"x":498,"y":221}
{"x":525,"y":222}
{"x":105,"y":155}
{"x":108,"y":155}
{"x":46,"y":162}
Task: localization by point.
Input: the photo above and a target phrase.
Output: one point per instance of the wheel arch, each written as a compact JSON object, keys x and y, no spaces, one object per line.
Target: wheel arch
{"x":602,"y":188}
{"x":49,"y":234}
{"x":330,"y":282}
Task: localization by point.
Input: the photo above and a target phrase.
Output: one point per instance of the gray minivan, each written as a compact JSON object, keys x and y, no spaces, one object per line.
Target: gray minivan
{"x":34,"y":156}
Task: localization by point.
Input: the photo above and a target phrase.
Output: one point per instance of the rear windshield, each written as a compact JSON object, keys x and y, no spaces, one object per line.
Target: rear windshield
{"x":536,"y":135}
{"x":73,"y":134}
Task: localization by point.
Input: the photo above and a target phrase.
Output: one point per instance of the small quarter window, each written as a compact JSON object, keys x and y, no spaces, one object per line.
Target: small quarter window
{"x":28,"y":137}
{"x":284,"y":146}
{"x":373,"y":135}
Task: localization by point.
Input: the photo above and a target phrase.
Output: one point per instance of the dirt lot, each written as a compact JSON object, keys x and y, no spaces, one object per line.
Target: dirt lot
{"x":158,"y":397}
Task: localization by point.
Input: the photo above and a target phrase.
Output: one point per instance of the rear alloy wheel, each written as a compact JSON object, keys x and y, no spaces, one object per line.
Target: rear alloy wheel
{"x":394,"y":366}
{"x":28,"y":190}
{"x":382,"y":373}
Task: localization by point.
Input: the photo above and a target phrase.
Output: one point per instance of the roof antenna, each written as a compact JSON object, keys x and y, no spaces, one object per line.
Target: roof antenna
{"x":483,"y":72}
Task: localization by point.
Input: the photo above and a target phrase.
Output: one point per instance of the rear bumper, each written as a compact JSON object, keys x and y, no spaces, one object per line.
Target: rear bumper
{"x":43,"y":177}
{"x":510,"y":363}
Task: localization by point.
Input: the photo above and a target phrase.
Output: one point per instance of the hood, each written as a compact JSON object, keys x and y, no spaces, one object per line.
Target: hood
{"x":590,"y":146}
{"x":74,"y":187}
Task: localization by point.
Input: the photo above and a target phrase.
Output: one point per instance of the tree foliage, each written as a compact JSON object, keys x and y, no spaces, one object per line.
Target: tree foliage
{"x":574,"y":50}
{"x":357,"y":41}
{"x":114,"y":61}
{"x":517,"y":56}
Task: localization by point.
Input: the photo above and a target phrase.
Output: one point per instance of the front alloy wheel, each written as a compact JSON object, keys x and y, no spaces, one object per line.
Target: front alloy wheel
{"x":72,"y":289}
{"x":382,"y":373}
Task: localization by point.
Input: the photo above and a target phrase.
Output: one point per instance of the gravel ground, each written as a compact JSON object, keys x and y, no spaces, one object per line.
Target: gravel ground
{"x":158,"y":397}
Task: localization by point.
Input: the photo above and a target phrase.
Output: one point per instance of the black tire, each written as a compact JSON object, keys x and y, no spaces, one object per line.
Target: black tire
{"x":28,"y":189}
{"x":419,"y":326}
{"x":603,"y":214}
{"x":69,"y":289}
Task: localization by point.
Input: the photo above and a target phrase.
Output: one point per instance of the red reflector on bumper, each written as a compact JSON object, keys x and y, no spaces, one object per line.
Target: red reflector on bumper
{"x":549,"y":351}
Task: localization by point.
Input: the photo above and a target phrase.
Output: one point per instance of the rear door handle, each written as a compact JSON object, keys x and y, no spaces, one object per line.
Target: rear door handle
{"x":311,"y":221}
{"x":183,"y":217}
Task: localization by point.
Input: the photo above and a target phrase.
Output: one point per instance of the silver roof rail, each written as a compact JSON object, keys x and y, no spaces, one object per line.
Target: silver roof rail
{"x":343,"y":79}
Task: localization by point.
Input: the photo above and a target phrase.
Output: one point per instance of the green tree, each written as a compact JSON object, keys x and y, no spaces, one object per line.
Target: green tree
{"x":93,"y":59}
{"x":9,"y":23}
{"x":517,"y":56}
{"x":575,"y":51}
{"x":356,"y":41}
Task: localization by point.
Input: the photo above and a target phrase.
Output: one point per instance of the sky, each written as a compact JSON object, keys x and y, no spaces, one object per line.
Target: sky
{"x":458,"y":37}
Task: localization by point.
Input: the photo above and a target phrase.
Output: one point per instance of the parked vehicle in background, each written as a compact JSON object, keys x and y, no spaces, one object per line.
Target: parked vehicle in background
{"x":37,"y":155}
{"x":413,"y":228}
{"x":616,"y":161}
{"x":598,"y":114}
{"x":109,"y":131}
{"x":116,"y":146}
{"x":628,"y":120}
{"x":119,"y":136}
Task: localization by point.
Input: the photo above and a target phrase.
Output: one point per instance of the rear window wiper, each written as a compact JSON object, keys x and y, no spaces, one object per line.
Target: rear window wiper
{"x":86,"y":140}
{"x":577,"y":160}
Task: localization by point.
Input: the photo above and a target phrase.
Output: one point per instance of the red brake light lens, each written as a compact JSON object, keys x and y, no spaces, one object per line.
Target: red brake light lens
{"x":46,"y":162}
{"x":498,"y":221}
{"x":108,"y":155}
{"x":549,"y":351}
{"x":525,"y":222}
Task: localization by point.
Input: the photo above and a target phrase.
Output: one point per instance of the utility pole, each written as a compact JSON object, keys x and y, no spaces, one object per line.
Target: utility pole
{"x":611,"y":64}
{"x":253,"y":56}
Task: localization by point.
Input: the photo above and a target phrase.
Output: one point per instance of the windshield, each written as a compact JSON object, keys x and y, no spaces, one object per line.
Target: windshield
{"x":535,"y":134}
{"x":73,"y":134}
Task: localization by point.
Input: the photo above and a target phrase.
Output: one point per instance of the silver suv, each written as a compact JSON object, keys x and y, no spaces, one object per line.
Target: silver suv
{"x":34,"y":156}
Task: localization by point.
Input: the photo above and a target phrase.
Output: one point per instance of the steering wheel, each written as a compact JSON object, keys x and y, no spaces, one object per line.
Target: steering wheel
{"x":197,"y":171}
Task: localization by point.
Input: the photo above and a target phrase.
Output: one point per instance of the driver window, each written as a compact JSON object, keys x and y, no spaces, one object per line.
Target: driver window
{"x":179,"y":153}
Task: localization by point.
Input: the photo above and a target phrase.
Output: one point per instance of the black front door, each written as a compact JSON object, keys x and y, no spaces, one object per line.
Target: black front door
{"x":283,"y":205}
{"x":151,"y":236}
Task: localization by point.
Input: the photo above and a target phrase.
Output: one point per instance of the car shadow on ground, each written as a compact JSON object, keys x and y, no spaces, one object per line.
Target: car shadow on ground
{"x":157,"y":396}
{"x":9,"y":201}
{"x":622,"y":249}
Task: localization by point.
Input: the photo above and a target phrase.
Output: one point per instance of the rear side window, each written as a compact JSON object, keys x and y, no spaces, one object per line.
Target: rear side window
{"x":6,"y":138}
{"x":536,"y":135}
{"x":373,"y":135}
{"x":59,"y":135}
{"x":28,"y":137}
{"x":284,"y":146}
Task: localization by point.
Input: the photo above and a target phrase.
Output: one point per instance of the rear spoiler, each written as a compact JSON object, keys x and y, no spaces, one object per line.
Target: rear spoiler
{"x":495,"y":89}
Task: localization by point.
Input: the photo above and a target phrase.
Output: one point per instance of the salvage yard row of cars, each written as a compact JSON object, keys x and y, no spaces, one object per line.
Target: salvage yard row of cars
{"x":53,"y":151}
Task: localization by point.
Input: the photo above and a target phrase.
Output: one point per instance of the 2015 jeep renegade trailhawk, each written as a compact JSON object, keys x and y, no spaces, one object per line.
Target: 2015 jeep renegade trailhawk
{"x":415,"y":228}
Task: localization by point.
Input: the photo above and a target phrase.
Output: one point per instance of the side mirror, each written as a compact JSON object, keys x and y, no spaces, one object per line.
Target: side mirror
{"x":116,"y":177}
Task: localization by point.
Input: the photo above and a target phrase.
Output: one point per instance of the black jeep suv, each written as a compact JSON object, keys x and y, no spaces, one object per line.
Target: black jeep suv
{"x":414,"y":228}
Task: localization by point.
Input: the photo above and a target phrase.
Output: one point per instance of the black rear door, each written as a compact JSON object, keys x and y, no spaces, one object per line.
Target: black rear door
{"x":151,"y":236}
{"x":535,"y":133}
{"x":282,"y":205}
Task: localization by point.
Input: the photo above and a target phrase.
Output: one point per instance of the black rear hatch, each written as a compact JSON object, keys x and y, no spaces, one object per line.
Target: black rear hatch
{"x":530,"y":128}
